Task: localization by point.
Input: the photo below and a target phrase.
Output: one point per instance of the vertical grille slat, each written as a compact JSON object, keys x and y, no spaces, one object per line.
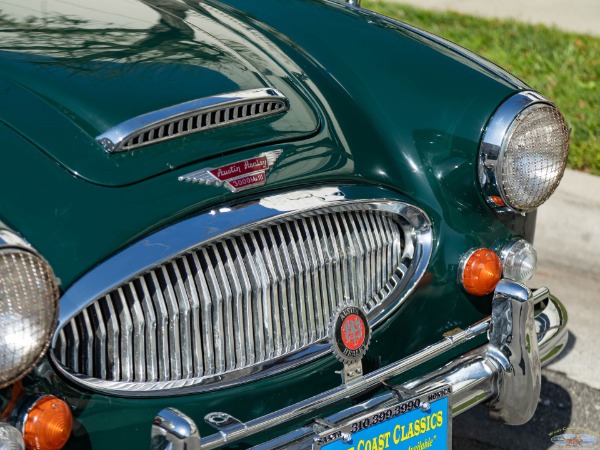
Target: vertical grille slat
{"x":246,"y":286}
{"x":126,"y":331}
{"x":139,"y":335}
{"x":100,"y":337}
{"x":245,"y":299}
{"x":263,"y":284}
{"x":183,"y":305}
{"x":237,"y":313}
{"x":282,"y":291}
{"x":336,"y":280}
{"x":255,"y":301}
{"x":354,"y":261}
{"x":369,"y":237}
{"x":306,"y":280}
{"x":87,"y":341}
{"x":290,"y":285}
{"x":162,"y":325}
{"x":215,"y":313}
{"x":73,"y":338}
{"x":206,"y":315}
{"x":381,"y":263}
{"x":166,"y":293}
{"x":298,"y":271}
{"x":196,"y":338}
{"x":371,"y":255}
{"x":324,"y":243}
{"x":149,"y":315}
{"x":228,"y":335}
{"x":113,"y":345}
{"x":274,"y":297}
{"x":320,"y":273}
{"x":61,"y":347}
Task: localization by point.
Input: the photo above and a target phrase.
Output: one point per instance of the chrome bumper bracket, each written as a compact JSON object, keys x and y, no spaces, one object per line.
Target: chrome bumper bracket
{"x":173,"y":430}
{"x":514,"y":347}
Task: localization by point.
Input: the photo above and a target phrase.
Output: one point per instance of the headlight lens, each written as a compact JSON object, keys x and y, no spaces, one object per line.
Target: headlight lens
{"x":523,"y":153}
{"x":28,"y":311}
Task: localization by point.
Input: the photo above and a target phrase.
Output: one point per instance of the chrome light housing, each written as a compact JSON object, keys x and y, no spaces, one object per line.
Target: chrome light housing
{"x":523,"y":153}
{"x":28,"y":307}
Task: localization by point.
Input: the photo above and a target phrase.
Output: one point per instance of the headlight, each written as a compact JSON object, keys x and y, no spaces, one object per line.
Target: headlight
{"x":28,"y":308}
{"x":523,"y":153}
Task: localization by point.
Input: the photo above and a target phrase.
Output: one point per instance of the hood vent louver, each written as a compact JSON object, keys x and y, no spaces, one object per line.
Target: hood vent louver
{"x":193,"y":117}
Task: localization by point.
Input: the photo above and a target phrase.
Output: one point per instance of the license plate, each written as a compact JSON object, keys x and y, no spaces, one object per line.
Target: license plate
{"x":421,"y":423}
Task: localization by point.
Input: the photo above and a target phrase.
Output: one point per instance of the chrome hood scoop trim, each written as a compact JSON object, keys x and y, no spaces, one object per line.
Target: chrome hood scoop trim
{"x":194,"y":116}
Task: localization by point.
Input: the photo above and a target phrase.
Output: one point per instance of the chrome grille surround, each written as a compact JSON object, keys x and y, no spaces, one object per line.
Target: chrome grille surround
{"x":312,"y":224}
{"x":193,"y":117}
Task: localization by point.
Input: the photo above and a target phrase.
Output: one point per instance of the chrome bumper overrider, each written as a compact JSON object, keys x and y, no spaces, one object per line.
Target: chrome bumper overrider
{"x":506,"y":373}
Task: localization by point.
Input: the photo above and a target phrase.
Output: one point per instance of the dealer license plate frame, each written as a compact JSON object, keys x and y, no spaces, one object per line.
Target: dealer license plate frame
{"x":390,"y":415}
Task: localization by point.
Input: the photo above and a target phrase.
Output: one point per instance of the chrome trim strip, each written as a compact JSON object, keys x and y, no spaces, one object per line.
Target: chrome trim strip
{"x":116,"y":139}
{"x":170,"y":242}
{"x":462,"y":263}
{"x":491,"y":150}
{"x":473,"y":377}
{"x":10,"y":239}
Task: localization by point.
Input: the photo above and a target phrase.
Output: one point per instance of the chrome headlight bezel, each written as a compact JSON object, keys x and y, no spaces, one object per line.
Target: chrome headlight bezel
{"x":495,"y":142}
{"x":16,"y":367}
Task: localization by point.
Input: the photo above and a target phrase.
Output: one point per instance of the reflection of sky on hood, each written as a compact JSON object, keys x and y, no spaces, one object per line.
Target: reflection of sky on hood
{"x":121,"y":13}
{"x":586,"y":439}
{"x":302,"y":199}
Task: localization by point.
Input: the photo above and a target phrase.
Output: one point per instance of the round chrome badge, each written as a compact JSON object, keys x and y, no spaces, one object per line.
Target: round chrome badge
{"x":349,"y":334}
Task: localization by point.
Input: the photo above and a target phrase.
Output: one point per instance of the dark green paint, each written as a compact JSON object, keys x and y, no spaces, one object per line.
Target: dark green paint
{"x":374,"y":104}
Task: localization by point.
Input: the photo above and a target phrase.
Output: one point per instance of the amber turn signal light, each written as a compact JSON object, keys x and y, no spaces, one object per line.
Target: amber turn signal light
{"x":480,"y":271}
{"x":497,"y":200}
{"x":47,"y":424}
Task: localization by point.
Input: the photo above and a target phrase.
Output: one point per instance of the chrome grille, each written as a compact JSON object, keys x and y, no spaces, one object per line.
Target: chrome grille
{"x":237,"y":302}
{"x":237,"y":293}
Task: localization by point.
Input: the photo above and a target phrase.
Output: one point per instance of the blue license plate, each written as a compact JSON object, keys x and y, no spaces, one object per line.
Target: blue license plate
{"x":421,"y":423}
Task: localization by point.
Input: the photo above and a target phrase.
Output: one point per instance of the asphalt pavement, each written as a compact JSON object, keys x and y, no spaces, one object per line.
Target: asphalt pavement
{"x":568,"y":245}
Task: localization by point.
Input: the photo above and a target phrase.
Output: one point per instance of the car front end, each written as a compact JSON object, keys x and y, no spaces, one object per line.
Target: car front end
{"x":222,"y":230}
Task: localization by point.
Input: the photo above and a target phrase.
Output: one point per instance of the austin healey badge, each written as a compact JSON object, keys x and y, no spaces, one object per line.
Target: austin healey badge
{"x":349,"y":334}
{"x":237,"y":176}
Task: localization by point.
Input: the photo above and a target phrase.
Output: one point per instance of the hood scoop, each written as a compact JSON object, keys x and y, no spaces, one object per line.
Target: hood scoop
{"x":194,"y":116}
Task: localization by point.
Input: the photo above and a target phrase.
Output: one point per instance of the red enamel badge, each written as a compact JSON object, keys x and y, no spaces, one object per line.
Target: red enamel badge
{"x":353,"y":332}
{"x":237,"y":176}
{"x":349,"y":334}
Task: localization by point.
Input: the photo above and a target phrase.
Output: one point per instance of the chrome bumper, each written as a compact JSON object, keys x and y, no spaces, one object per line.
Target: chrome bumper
{"x":506,"y":373}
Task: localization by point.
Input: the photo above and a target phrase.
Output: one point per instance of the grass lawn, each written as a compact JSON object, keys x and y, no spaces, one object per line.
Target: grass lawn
{"x":565,"y":67}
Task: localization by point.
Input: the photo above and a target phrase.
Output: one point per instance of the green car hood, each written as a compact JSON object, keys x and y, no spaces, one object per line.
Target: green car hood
{"x":372,"y":102}
{"x":71,"y":74}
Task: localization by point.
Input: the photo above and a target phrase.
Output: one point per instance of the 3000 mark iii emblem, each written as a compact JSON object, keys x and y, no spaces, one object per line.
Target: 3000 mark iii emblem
{"x":237,"y":176}
{"x":349,"y":334}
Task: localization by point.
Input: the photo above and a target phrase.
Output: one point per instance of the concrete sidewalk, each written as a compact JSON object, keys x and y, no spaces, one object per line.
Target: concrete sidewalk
{"x":580,"y":16}
{"x":568,"y":245}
